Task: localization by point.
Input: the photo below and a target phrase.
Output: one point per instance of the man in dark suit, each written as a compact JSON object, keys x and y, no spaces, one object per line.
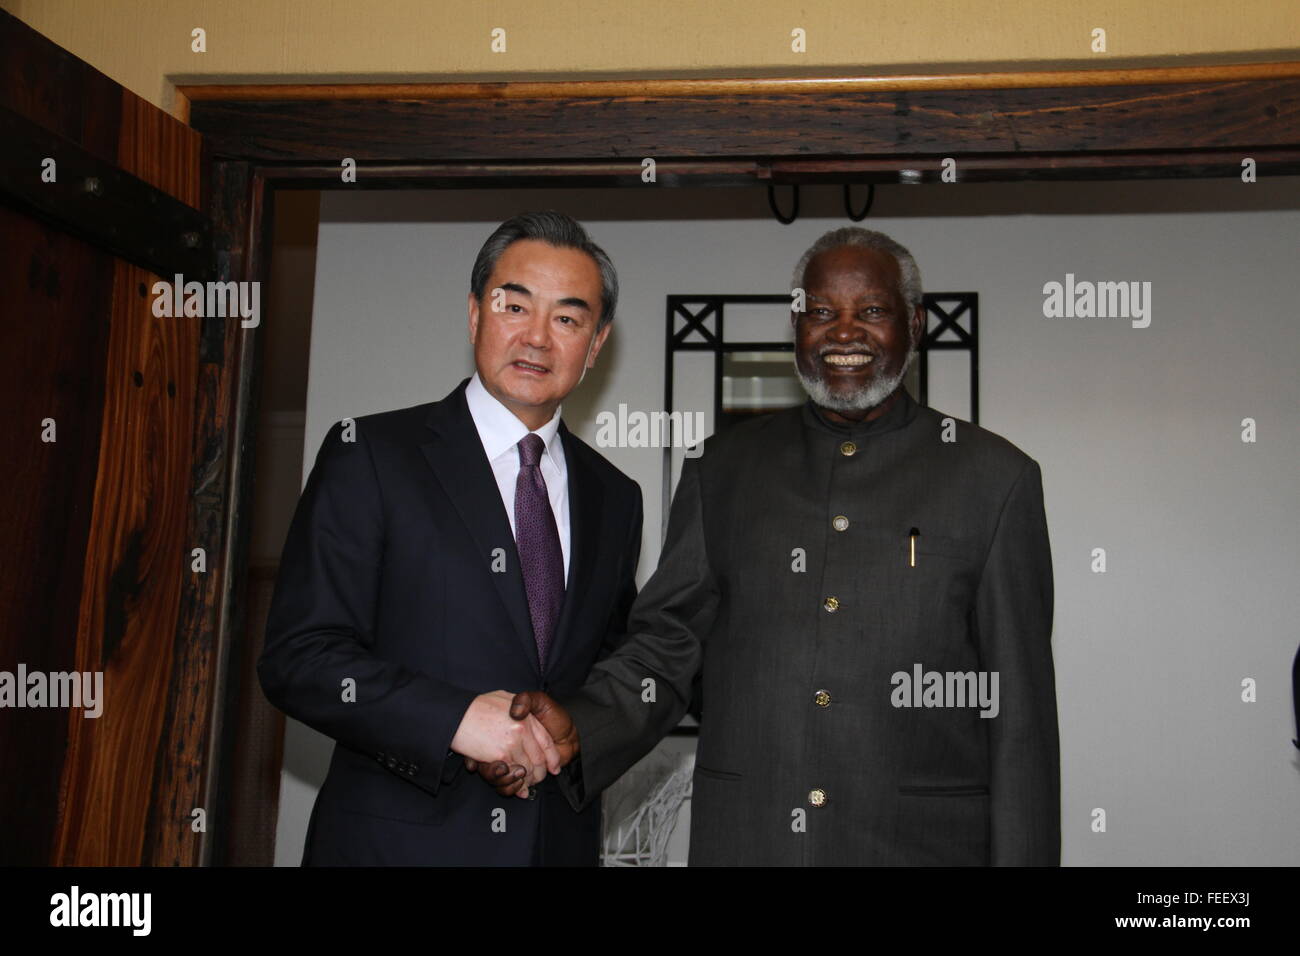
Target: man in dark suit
{"x":442,"y":552}
{"x":867,"y":585}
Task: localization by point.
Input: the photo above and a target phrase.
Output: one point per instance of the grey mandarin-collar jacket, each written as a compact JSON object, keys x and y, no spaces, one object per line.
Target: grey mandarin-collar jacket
{"x":808,"y":567}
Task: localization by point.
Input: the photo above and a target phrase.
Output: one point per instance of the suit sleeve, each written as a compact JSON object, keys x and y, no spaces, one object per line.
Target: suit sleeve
{"x":616,"y":629}
{"x":1014,"y":624}
{"x":616,"y":725}
{"x":318,"y":664}
{"x":571,"y":780}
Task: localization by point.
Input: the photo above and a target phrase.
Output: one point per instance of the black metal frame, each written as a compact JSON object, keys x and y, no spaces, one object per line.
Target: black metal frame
{"x":946,"y":307}
{"x":963,"y":304}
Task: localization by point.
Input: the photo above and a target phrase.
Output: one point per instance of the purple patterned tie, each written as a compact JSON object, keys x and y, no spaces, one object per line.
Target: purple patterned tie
{"x":538,"y":541}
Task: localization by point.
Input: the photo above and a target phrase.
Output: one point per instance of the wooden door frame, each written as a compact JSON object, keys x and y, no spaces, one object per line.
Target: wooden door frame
{"x":1155,"y":123}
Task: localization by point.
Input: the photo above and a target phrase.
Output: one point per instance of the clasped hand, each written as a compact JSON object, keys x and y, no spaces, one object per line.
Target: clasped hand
{"x":513,"y":741}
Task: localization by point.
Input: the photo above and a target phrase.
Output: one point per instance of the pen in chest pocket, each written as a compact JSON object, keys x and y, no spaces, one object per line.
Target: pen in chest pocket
{"x":912,"y":536}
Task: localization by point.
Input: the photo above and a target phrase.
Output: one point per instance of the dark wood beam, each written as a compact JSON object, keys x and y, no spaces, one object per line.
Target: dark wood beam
{"x":806,"y":84}
{"x":97,"y":201}
{"x":998,"y":134}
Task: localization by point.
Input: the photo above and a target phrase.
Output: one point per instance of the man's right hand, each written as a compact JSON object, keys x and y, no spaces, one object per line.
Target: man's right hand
{"x":489,"y":733}
{"x":510,"y":780}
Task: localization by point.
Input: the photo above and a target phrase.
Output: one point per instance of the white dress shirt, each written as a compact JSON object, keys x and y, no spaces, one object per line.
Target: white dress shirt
{"x":500,"y":432}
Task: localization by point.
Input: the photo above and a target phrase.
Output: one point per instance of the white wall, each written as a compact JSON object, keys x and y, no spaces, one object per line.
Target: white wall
{"x":1137,"y":432}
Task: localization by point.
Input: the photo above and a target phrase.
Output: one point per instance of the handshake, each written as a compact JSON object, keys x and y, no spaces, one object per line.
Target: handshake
{"x":513,"y":741}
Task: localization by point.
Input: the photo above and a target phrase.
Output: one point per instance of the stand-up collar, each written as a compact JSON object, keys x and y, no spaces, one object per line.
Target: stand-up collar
{"x":900,"y":414}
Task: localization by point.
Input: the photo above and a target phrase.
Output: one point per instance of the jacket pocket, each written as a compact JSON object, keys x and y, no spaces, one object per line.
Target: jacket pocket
{"x":944,"y":791}
{"x":717,"y":774}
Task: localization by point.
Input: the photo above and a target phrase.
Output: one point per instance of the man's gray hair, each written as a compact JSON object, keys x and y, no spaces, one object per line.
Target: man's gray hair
{"x":558,"y":230}
{"x":867,"y":239}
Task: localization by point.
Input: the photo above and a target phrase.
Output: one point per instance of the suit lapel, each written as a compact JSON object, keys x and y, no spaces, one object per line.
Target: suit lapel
{"x":456,"y":456}
{"x":586,"y":502}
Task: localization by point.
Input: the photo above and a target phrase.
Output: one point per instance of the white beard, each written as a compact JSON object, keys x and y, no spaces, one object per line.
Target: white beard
{"x":861,"y":400}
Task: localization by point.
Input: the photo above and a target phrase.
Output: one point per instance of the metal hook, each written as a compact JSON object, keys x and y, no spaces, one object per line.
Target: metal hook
{"x":771,"y":202}
{"x":848,"y":203}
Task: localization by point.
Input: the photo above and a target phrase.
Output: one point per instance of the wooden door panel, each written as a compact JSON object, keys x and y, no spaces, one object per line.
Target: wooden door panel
{"x":137,"y":558}
{"x":53,"y":341}
{"x":97,"y":528}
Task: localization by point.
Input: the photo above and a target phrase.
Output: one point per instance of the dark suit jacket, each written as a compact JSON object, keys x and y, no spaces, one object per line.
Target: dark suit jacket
{"x":803,"y":756}
{"x":387,"y":581}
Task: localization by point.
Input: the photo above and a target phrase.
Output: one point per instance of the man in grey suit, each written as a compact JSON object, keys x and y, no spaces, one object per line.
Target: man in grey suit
{"x":867,"y":585}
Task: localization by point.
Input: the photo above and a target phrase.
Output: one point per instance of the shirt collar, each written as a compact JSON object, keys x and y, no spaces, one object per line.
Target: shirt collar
{"x":498,"y":428}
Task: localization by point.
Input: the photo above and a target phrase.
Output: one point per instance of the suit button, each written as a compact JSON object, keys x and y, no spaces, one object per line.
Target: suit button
{"x":840,"y":523}
{"x":848,"y":449}
{"x":831,"y":604}
{"x":392,"y":763}
{"x":822,"y":699}
{"x":817,"y":798}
